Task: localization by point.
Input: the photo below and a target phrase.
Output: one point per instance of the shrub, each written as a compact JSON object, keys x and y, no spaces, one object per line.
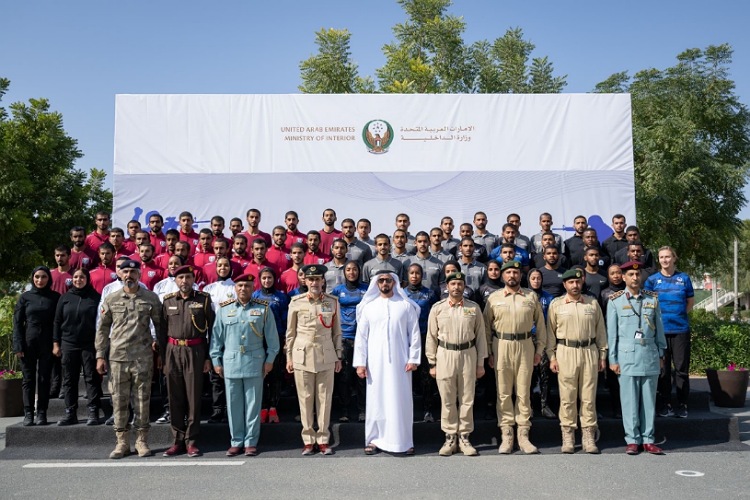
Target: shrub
{"x":716,"y":342}
{"x":8,"y":360}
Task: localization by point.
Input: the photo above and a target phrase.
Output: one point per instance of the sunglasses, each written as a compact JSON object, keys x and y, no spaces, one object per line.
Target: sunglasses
{"x":385,"y":280}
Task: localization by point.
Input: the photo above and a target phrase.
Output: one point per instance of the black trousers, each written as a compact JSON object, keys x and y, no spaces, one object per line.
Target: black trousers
{"x":677,"y":354}
{"x":347,"y":382}
{"x":272,"y":382}
{"x":218,"y":392}
{"x":36,"y":365}
{"x":55,"y":379}
{"x":427,"y":384}
{"x":72,"y":362}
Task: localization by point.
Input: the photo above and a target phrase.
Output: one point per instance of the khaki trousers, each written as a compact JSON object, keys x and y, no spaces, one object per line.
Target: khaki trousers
{"x":514,"y":364}
{"x":456,"y":379}
{"x":578,"y":378}
{"x":126,"y":378}
{"x":314,"y":392}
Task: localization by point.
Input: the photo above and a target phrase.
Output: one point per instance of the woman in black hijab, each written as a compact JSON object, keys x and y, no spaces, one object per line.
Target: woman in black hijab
{"x":73,"y":338}
{"x":33,"y":320}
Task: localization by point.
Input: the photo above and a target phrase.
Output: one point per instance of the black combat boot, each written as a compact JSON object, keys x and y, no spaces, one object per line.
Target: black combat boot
{"x":28,"y":418}
{"x":93,"y":416}
{"x":70,"y":418}
{"x":41,"y":417}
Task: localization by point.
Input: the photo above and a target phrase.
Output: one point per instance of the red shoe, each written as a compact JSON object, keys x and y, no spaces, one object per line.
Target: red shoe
{"x":325,"y":449}
{"x":263,"y":416}
{"x":234,"y":451}
{"x":273,"y":416}
{"x":652,"y":448}
{"x":175,"y":449}
{"x":632,"y":449}
{"x":250,"y":451}
{"x":193,"y":451}
{"x":308,"y":450}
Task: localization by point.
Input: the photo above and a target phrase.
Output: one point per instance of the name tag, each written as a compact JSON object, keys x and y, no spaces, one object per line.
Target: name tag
{"x":172,"y":308}
{"x":195,"y":305}
{"x":231,"y":314}
{"x":256,"y":312}
{"x":627,"y":307}
{"x":649,"y":305}
{"x":469,"y":311}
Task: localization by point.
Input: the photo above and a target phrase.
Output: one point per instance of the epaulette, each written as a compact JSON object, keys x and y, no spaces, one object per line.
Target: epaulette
{"x":331,"y":296}
{"x":170,"y":295}
{"x":227,"y":302}
{"x":555,"y":300}
{"x":616,"y":294}
{"x":651,"y":293}
{"x":202,"y":293}
{"x":298,"y":296}
{"x":261,"y":302}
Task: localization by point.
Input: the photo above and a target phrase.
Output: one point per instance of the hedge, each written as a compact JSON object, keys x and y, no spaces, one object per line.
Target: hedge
{"x":716,"y":342}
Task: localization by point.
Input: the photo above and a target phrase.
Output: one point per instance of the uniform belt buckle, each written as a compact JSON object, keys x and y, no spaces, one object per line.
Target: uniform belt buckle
{"x":182,"y":342}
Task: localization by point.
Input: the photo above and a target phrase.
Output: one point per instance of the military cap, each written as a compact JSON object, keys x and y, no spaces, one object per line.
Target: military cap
{"x":455,"y":276}
{"x":183,"y":270}
{"x":312,"y":270}
{"x":244,"y":277}
{"x":130,"y":264}
{"x":572,"y":274}
{"x":631,"y":265}
{"x":511,"y":264}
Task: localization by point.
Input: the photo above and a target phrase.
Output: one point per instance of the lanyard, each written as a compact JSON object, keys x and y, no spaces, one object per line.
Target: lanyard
{"x":640,"y":316}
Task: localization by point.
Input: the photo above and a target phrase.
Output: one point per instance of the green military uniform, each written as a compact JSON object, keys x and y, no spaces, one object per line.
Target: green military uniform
{"x":456,"y":345}
{"x":183,"y":344}
{"x":313,"y":345}
{"x":577,"y":340}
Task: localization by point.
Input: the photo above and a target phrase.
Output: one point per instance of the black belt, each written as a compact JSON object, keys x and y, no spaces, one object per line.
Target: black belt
{"x":576,"y":343}
{"x":457,"y":347}
{"x":512,"y":336}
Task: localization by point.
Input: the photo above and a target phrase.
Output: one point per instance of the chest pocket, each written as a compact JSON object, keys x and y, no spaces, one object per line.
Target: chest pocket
{"x":118,"y":311}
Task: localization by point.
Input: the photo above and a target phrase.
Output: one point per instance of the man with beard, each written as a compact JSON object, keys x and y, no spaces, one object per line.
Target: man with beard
{"x":158,"y":238}
{"x":449,"y":242}
{"x":328,"y":233}
{"x":183,"y":338}
{"x":355,"y":250}
{"x":62,"y":275}
{"x":293,"y":234}
{"x":314,"y":254}
{"x":481,"y":235}
{"x":577,"y":349}
{"x":151,"y":274}
{"x":335,"y":274}
{"x":117,"y":239}
{"x":573,"y":248}
{"x":171,"y":238}
{"x":235,"y":226}
{"x":141,"y":237}
{"x":288,"y":280}
{"x":124,"y":334}
{"x":402,"y":223}
{"x":617,"y":241}
{"x":187,"y":233}
{"x":99,"y":235}
{"x":436,"y":246}
{"x":217,"y":228}
{"x":81,"y":257}
{"x":537,"y":245}
{"x":595,"y":280}
{"x":239,"y":252}
{"x":432,"y":267}
{"x":383,"y":261}
{"x":204,"y":253}
{"x":552,"y":272}
{"x":253,"y":227}
{"x":259,"y":261}
{"x":509,"y":316}
{"x":364,"y":227}
{"x":277,"y":254}
{"x":475,"y":271}
{"x":104,"y":273}
{"x":387,"y":349}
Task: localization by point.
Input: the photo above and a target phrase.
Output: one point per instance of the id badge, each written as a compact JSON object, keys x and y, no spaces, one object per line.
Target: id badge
{"x":639,"y":334}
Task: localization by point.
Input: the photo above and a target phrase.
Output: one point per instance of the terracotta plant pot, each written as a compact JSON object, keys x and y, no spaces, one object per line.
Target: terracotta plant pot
{"x":728,"y":387}
{"x":11,"y":398}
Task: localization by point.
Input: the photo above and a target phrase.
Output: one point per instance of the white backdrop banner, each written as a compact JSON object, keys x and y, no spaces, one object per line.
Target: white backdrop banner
{"x":375,"y":156}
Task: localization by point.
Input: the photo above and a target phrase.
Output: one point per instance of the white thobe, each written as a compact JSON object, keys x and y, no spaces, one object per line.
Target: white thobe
{"x":387,"y":339}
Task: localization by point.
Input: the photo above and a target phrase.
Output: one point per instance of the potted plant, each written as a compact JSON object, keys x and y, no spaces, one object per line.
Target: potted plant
{"x":11,"y":393}
{"x":728,"y":387}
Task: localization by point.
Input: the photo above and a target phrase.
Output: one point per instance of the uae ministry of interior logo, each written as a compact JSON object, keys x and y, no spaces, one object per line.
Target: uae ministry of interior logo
{"x":378,"y":136}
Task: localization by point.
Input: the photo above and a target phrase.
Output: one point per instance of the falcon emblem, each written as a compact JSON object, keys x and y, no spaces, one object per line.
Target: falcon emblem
{"x":378,"y":136}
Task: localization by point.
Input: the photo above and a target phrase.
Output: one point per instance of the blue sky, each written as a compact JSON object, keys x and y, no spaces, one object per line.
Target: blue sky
{"x":79,"y":54}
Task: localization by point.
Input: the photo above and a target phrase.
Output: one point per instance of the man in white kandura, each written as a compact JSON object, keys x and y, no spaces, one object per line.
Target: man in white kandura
{"x":387,"y":348}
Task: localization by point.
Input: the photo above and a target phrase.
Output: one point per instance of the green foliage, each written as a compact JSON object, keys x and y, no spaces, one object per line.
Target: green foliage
{"x":42,"y":195}
{"x":715,"y":342}
{"x":692,"y":152}
{"x":8,"y":360}
{"x":429,"y":55}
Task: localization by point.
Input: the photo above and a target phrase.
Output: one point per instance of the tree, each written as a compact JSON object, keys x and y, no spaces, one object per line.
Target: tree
{"x":42,"y":195}
{"x":429,"y":55}
{"x":691,"y":149}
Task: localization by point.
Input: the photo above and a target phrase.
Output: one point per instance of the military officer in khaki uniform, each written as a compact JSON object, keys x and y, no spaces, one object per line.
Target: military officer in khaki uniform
{"x":577,"y":349}
{"x":124,"y":331}
{"x":509,"y":315}
{"x":183,"y":344}
{"x":313,"y":354}
{"x":456,"y":347}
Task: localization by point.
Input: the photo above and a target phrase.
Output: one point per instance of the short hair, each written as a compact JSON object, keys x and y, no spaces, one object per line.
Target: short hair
{"x":548,"y":233}
{"x":419,"y":266}
{"x":63,"y":248}
{"x":221,"y":241}
{"x":239,"y":237}
{"x":590,"y":249}
{"x":107,"y":246}
{"x":259,"y":241}
{"x":512,"y":215}
{"x":236,"y":219}
{"x":291,"y":212}
{"x":579,"y":217}
{"x":479,"y":213}
{"x":76,"y":229}
{"x":466,"y":238}
{"x":436,"y":229}
{"x":313,"y":232}
{"x":466,"y":224}
{"x":131,"y":221}
{"x":402,"y":215}
{"x":146,"y":245}
{"x":339,"y":240}
{"x":207,"y":231}
{"x":447,"y":217}
{"x":348,"y":220}
{"x":217,"y":218}
{"x":508,"y":245}
{"x":668,"y":248}
{"x":172,"y":232}
{"x":252,"y":210}
{"x":185,"y":214}
{"x":141,"y":231}
{"x":297,"y":244}
{"x":182,"y":243}
{"x":382,"y":236}
{"x":366,"y":221}
{"x":102,"y":212}
{"x":156,"y":214}
{"x":117,"y":230}
{"x":589,"y":229}
{"x":617,"y":216}
{"x":543,"y":214}
{"x":329,"y":210}
{"x":278,"y":228}
{"x":422,"y":233}
{"x":507,"y":225}
{"x":631,"y":229}
{"x":551,"y":247}
{"x":635,"y":244}
{"x":395,"y":231}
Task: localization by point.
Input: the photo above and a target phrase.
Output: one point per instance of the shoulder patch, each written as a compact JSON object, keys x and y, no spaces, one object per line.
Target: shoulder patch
{"x":556,"y":299}
{"x":616,"y":294}
{"x":651,"y":293}
{"x":298,"y":297}
{"x":261,"y":302}
{"x":170,"y":295}
{"x":227,"y":302}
